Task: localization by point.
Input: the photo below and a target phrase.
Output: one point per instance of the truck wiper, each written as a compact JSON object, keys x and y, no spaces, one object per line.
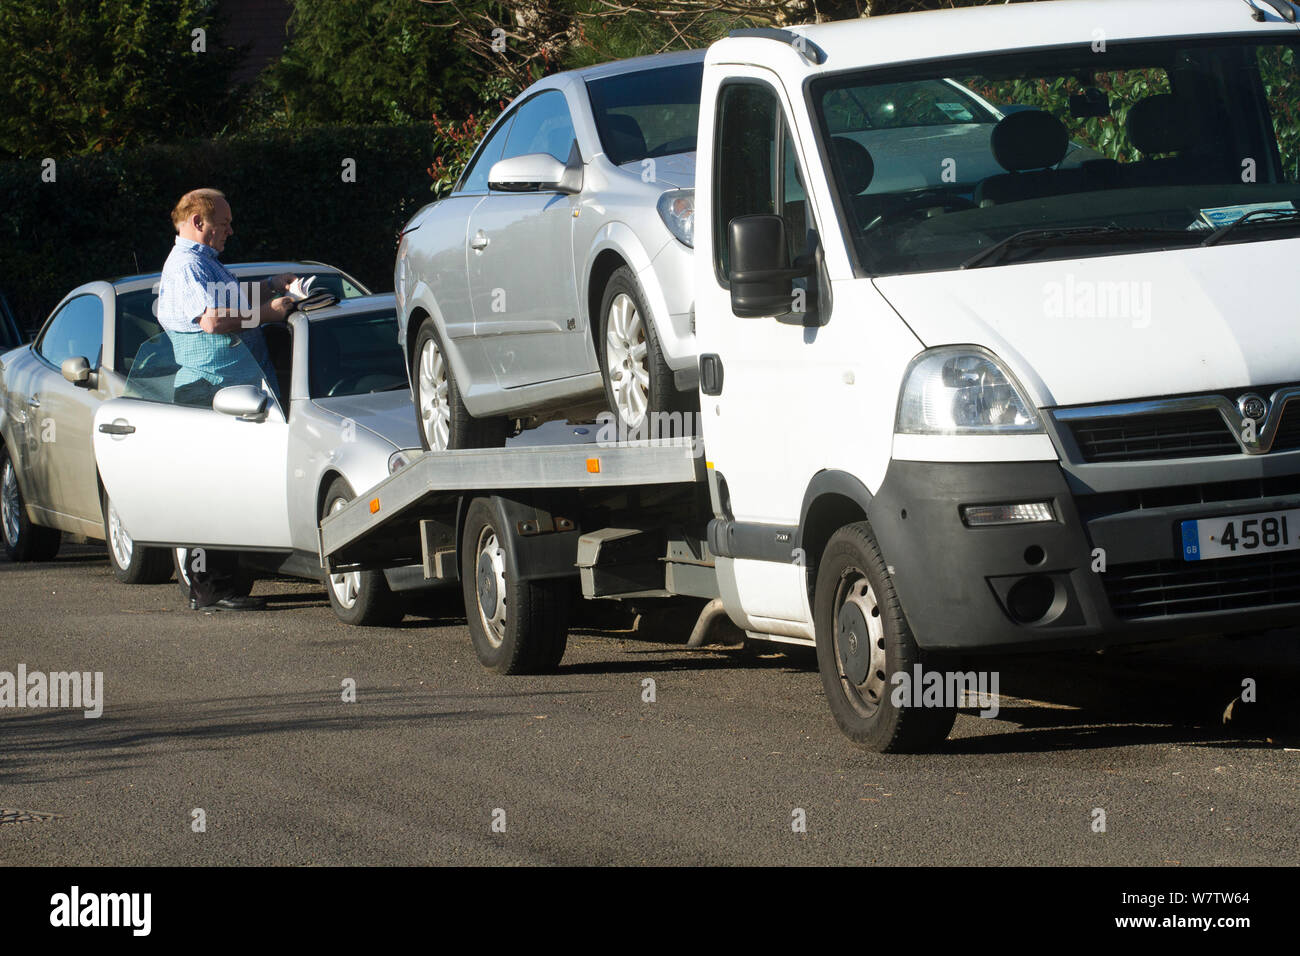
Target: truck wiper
{"x":1261,"y":216}
{"x":1042,"y":238}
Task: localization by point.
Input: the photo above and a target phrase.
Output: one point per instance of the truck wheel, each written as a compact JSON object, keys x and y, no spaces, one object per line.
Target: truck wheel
{"x":441,"y":416}
{"x":361,"y":598}
{"x":638,"y":382}
{"x":131,"y":563}
{"x":241,"y":587}
{"x":24,"y":541}
{"x":862,"y":639}
{"x":518,"y":627}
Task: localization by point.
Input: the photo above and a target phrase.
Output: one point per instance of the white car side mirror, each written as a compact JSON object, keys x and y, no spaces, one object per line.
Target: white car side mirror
{"x":245,"y":402}
{"x":77,"y":371}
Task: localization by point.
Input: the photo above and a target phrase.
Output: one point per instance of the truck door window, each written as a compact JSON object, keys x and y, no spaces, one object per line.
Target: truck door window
{"x":756,"y":168}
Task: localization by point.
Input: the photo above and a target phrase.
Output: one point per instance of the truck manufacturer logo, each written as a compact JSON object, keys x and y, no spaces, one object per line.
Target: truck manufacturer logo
{"x":1253,"y":407}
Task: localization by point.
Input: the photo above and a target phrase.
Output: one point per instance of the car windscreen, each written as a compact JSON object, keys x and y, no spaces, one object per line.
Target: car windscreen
{"x":648,"y":113}
{"x":355,"y":355}
{"x":1154,"y":145}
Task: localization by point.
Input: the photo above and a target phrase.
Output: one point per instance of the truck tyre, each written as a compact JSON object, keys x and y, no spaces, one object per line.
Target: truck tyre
{"x":441,"y":416}
{"x":24,"y":541}
{"x":518,"y":627}
{"x":361,"y":598}
{"x":863,"y":639}
{"x":132,"y":563}
{"x":241,"y":587}
{"x":638,"y":382}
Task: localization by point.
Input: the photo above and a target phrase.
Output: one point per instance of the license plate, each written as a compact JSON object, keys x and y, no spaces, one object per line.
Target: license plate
{"x":1240,"y":534}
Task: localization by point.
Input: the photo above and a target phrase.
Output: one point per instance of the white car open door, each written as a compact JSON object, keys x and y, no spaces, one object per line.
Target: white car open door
{"x":187,"y":475}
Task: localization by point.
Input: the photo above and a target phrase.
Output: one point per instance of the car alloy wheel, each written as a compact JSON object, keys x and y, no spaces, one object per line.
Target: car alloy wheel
{"x":10,"y":503}
{"x":119,"y":542}
{"x":346,"y":585}
{"x":490,"y":584}
{"x":625,"y":360}
{"x":860,"y":643}
{"x":432,"y":386}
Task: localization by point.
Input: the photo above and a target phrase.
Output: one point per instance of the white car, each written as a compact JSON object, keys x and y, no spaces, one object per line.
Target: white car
{"x":253,"y":474}
{"x":555,"y":279}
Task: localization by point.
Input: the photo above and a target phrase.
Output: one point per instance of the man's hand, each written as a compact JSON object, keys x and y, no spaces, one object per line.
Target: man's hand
{"x":279,"y":284}
{"x":280,"y":308}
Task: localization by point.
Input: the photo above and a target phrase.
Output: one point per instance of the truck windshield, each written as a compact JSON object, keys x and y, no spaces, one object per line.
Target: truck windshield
{"x":647,"y":113}
{"x":1156,"y":144}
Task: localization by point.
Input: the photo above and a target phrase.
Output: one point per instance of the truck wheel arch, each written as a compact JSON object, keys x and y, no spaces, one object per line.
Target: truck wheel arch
{"x":833,"y":499}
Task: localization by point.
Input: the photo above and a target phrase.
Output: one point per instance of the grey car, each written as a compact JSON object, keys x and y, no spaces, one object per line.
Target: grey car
{"x":254,"y":473}
{"x":555,"y":279}
{"x":49,"y":391}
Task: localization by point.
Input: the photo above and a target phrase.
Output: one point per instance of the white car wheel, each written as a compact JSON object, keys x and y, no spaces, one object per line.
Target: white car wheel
{"x":119,"y":542}
{"x":625,"y":360}
{"x":346,"y":586}
{"x":435,"y":409}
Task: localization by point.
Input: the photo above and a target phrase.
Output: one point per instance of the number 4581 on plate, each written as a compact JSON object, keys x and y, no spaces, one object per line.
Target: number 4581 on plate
{"x":1236,"y":535}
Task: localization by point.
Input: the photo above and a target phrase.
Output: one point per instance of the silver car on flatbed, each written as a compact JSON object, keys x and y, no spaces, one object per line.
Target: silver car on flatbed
{"x":554,"y":281}
{"x":49,"y":391}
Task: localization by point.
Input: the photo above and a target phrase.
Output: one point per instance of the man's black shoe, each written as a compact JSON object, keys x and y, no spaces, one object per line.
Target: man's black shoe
{"x":230,"y":604}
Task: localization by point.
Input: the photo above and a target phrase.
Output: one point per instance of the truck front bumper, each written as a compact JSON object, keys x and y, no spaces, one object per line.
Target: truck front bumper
{"x":1107,"y":569}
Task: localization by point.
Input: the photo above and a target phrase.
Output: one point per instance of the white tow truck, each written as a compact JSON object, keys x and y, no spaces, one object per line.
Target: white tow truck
{"x":997,"y":319}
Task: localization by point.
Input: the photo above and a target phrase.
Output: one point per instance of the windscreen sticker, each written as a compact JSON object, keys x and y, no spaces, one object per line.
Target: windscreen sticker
{"x":957,"y":111}
{"x":1217,"y":216}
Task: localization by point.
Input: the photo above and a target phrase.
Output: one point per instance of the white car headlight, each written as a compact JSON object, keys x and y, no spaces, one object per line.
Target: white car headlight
{"x":401,"y":458}
{"x":963,"y":391}
{"x":677,"y":210}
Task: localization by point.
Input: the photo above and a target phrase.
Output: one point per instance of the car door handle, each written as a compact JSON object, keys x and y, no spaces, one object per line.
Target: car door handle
{"x":115,"y":428}
{"x":479,"y":242}
{"x":33,"y":402}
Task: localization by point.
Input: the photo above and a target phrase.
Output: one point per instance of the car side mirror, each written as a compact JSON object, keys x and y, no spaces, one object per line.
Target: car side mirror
{"x":760,"y":273}
{"x":535,"y":171}
{"x":77,"y":371}
{"x":245,"y":402}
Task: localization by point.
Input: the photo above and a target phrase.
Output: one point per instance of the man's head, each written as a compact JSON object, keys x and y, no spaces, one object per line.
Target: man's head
{"x":203,"y":215}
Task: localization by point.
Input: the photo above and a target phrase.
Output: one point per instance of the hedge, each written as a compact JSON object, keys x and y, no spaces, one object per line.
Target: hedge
{"x":107,"y":215}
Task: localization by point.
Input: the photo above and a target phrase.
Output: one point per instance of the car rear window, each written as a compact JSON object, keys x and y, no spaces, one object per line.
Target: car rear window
{"x":647,"y":113}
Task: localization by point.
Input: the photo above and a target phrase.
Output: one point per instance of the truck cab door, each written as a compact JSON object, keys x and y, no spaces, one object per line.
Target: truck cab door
{"x":183,"y":475}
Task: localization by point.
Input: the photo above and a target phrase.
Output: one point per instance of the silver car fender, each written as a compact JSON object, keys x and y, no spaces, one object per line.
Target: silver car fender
{"x":421,"y":297}
{"x":620,"y":238}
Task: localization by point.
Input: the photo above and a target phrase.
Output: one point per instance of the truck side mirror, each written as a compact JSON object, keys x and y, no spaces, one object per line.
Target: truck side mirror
{"x":77,"y":371}
{"x":760,"y":273}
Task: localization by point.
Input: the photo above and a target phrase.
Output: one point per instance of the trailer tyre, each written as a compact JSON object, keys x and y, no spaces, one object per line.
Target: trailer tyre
{"x":517,"y":627}
{"x":863,"y":638}
{"x":360,"y":598}
{"x":440,"y":413}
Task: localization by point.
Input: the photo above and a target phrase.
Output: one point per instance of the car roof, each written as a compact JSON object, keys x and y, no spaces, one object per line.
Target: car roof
{"x":934,"y":34}
{"x":273,"y":267}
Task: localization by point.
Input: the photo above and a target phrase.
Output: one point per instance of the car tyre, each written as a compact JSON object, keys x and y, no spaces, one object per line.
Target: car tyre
{"x":360,"y":598}
{"x":638,"y":381}
{"x":242,"y":586}
{"x":24,"y":540}
{"x":863,"y":638}
{"x":132,"y":563}
{"x":440,"y":414}
{"x":517,"y":627}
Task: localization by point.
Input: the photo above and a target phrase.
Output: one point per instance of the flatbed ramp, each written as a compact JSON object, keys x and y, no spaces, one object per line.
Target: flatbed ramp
{"x":381,"y":526}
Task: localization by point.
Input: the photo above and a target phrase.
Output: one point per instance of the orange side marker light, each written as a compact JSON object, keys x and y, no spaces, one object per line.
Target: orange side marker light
{"x":593,"y":466}
{"x":374,"y":506}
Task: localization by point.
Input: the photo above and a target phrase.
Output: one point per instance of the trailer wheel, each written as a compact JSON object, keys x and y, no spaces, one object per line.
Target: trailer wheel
{"x":518,"y":627}
{"x":440,"y":414}
{"x":360,"y":598}
{"x":863,"y":638}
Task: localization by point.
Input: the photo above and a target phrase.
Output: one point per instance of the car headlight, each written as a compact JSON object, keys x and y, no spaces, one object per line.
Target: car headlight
{"x":677,"y":210}
{"x":965,"y":390}
{"x":401,"y":458}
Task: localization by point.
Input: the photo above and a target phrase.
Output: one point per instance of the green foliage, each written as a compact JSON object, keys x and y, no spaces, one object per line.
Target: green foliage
{"x":80,"y":76}
{"x":364,"y":62}
{"x":106,"y":213}
{"x":454,"y":142}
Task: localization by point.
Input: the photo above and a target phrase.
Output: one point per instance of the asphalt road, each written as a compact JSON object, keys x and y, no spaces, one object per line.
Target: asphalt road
{"x":242,"y":716}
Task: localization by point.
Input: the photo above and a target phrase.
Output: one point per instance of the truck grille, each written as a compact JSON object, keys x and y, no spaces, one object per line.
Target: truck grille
{"x":1196,"y":434}
{"x":1157,"y":589}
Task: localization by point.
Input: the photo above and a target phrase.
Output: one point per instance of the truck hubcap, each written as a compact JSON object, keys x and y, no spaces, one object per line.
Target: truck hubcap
{"x":10,"y":503}
{"x":346,"y":586}
{"x":626,"y":360}
{"x":435,"y":412}
{"x":860,"y":644}
{"x":491,"y":587}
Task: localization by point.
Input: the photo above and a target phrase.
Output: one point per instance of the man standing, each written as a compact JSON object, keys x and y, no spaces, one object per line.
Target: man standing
{"x":214,"y":330}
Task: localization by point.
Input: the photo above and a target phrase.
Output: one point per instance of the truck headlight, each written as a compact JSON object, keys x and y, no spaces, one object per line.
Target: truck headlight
{"x":677,"y":210}
{"x":963,"y":390}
